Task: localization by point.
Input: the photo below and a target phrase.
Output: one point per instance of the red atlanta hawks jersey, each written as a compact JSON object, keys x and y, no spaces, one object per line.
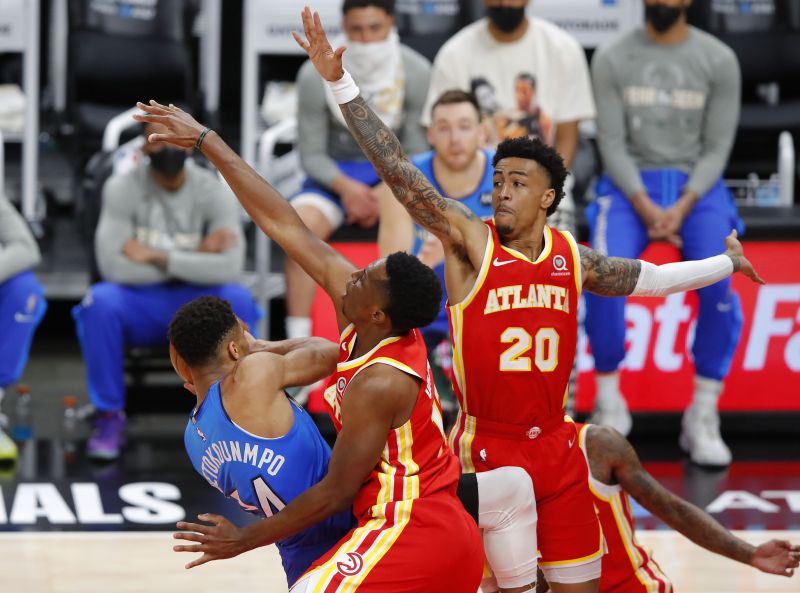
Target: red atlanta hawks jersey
{"x":628,"y":567}
{"x":514,"y":335}
{"x":416,"y":461}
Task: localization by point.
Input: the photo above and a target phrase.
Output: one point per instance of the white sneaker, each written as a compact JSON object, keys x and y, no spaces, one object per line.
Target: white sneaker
{"x":700,"y":437}
{"x":614,"y":414}
{"x":8,"y":448}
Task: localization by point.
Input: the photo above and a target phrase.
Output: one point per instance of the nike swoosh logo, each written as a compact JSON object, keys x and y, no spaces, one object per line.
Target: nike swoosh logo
{"x":22,"y":318}
{"x":572,"y":442}
{"x":344,"y":347}
{"x":497,"y":263}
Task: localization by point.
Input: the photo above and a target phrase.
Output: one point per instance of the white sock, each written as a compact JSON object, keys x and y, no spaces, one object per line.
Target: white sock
{"x":298,"y":327}
{"x":706,"y":392}
{"x":608,"y":393}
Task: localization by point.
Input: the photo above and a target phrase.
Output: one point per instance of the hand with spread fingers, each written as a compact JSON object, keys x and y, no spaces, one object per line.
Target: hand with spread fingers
{"x":222,"y":539}
{"x":327,"y":61}
{"x":183,"y":129}
{"x":776,"y":557}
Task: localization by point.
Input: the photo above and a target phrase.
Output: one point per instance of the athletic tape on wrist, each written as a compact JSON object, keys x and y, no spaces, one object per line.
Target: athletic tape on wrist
{"x":344,"y":90}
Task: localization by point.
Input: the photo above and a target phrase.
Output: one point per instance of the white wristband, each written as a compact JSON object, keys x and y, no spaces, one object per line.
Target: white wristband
{"x":678,"y":277}
{"x":344,"y":90}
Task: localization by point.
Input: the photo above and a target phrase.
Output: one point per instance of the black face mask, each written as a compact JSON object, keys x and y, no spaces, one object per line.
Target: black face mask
{"x":506,"y":18}
{"x":662,"y":17}
{"x":168,"y":161}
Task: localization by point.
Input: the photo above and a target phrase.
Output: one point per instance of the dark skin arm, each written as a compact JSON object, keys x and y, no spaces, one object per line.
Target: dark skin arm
{"x":462,"y":233}
{"x":377,"y":400}
{"x":265,"y":205}
{"x":612,"y":460}
{"x":617,"y":276}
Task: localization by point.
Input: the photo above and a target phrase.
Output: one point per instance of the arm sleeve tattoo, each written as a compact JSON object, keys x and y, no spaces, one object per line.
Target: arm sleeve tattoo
{"x":409,"y":185}
{"x":608,"y":276}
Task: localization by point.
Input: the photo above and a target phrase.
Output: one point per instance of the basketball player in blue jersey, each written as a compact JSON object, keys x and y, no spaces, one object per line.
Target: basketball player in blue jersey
{"x":246,"y":437}
{"x":255,"y":445}
{"x":459,"y":169}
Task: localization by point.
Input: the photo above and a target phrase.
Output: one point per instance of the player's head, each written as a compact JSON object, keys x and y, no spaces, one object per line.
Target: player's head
{"x":528,"y":180}
{"x":456,"y":133}
{"x":204,"y":333}
{"x":397,"y":293}
{"x":367,"y":21}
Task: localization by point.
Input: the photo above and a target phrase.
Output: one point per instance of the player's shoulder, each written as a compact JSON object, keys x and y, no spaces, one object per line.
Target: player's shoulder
{"x":631,"y":40}
{"x":260,"y":368}
{"x":554,"y":35}
{"x":712,"y":46}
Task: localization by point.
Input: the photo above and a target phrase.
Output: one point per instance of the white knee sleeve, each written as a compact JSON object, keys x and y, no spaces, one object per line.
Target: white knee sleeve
{"x":507,"y":515}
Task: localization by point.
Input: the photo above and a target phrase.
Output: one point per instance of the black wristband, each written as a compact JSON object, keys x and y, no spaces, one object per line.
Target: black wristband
{"x":201,"y":138}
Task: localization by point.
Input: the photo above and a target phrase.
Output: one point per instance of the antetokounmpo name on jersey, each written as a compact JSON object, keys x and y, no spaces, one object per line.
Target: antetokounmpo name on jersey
{"x":535,"y":296}
{"x":221,"y":452}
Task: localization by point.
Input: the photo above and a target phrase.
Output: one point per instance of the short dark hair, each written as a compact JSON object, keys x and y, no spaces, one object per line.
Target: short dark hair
{"x":547,"y":157}
{"x":199,"y":327}
{"x":530,"y":78}
{"x":414,"y":291}
{"x":454,"y":96}
{"x":386,"y":5}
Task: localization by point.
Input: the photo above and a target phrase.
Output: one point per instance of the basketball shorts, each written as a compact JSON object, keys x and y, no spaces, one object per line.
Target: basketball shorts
{"x":417,"y":546}
{"x":569,"y":531}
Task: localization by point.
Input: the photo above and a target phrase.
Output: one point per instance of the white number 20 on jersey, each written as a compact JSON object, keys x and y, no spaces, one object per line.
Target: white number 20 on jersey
{"x":545,"y":351}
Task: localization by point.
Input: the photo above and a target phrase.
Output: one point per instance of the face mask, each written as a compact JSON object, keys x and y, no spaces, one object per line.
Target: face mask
{"x":506,"y":18}
{"x":168,"y":161}
{"x":662,"y":17}
{"x":363,"y":59}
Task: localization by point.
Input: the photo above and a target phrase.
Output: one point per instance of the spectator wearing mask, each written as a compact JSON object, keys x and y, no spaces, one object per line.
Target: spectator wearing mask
{"x":22,"y":305}
{"x":530,"y":77}
{"x":668,"y":103}
{"x":340,"y":183}
{"x":167,"y":234}
{"x":461,"y":170}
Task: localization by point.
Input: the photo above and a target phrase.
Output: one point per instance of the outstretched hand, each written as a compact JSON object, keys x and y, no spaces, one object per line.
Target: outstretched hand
{"x":734,"y":250}
{"x":776,"y":557}
{"x":182,"y":129}
{"x":327,"y":62}
{"x":221,"y":539}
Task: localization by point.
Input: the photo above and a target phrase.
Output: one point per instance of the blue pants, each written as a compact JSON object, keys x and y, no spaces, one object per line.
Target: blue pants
{"x":362,"y":171}
{"x":22,"y":307}
{"x":113,"y":316}
{"x":616,"y":230}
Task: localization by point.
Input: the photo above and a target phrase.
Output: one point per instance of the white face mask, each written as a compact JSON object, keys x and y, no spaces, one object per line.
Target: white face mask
{"x":365,"y":60}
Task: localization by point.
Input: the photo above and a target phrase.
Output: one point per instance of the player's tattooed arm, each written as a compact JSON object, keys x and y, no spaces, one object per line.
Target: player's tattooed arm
{"x":426,"y":206}
{"x":684,"y":517}
{"x":608,"y":276}
{"x":449,"y":220}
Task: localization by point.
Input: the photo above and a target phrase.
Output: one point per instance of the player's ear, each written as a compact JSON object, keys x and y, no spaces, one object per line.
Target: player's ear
{"x":548,"y":198}
{"x":234,"y":351}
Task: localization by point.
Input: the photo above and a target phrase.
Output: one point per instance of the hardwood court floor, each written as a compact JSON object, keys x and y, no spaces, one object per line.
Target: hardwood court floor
{"x":116,"y":562}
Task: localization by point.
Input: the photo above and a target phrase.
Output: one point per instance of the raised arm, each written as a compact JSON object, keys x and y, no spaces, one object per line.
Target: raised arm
{"x":775,"y":557}
{"x":457,"y":227}
{"x":268,"y":208}
{"x":366,"y":421}
{"x":618,"y":276}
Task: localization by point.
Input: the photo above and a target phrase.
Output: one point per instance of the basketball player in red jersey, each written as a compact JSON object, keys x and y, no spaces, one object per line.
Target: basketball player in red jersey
{"x":391,"y":461}
{"x":615,"y":473}
{"x":513,"y":286}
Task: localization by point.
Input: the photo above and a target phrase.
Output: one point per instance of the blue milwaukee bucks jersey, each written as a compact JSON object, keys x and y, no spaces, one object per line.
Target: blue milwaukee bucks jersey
{"x":263,"y":474}
{"x":479,"y":201}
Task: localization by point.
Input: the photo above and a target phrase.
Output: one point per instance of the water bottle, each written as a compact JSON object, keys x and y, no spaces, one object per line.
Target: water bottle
{"x":69,"y":427}
{"x":23,"y":425}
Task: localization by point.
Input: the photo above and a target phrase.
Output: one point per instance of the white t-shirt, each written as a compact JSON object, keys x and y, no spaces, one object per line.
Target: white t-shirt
{"x":527,"y":87}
